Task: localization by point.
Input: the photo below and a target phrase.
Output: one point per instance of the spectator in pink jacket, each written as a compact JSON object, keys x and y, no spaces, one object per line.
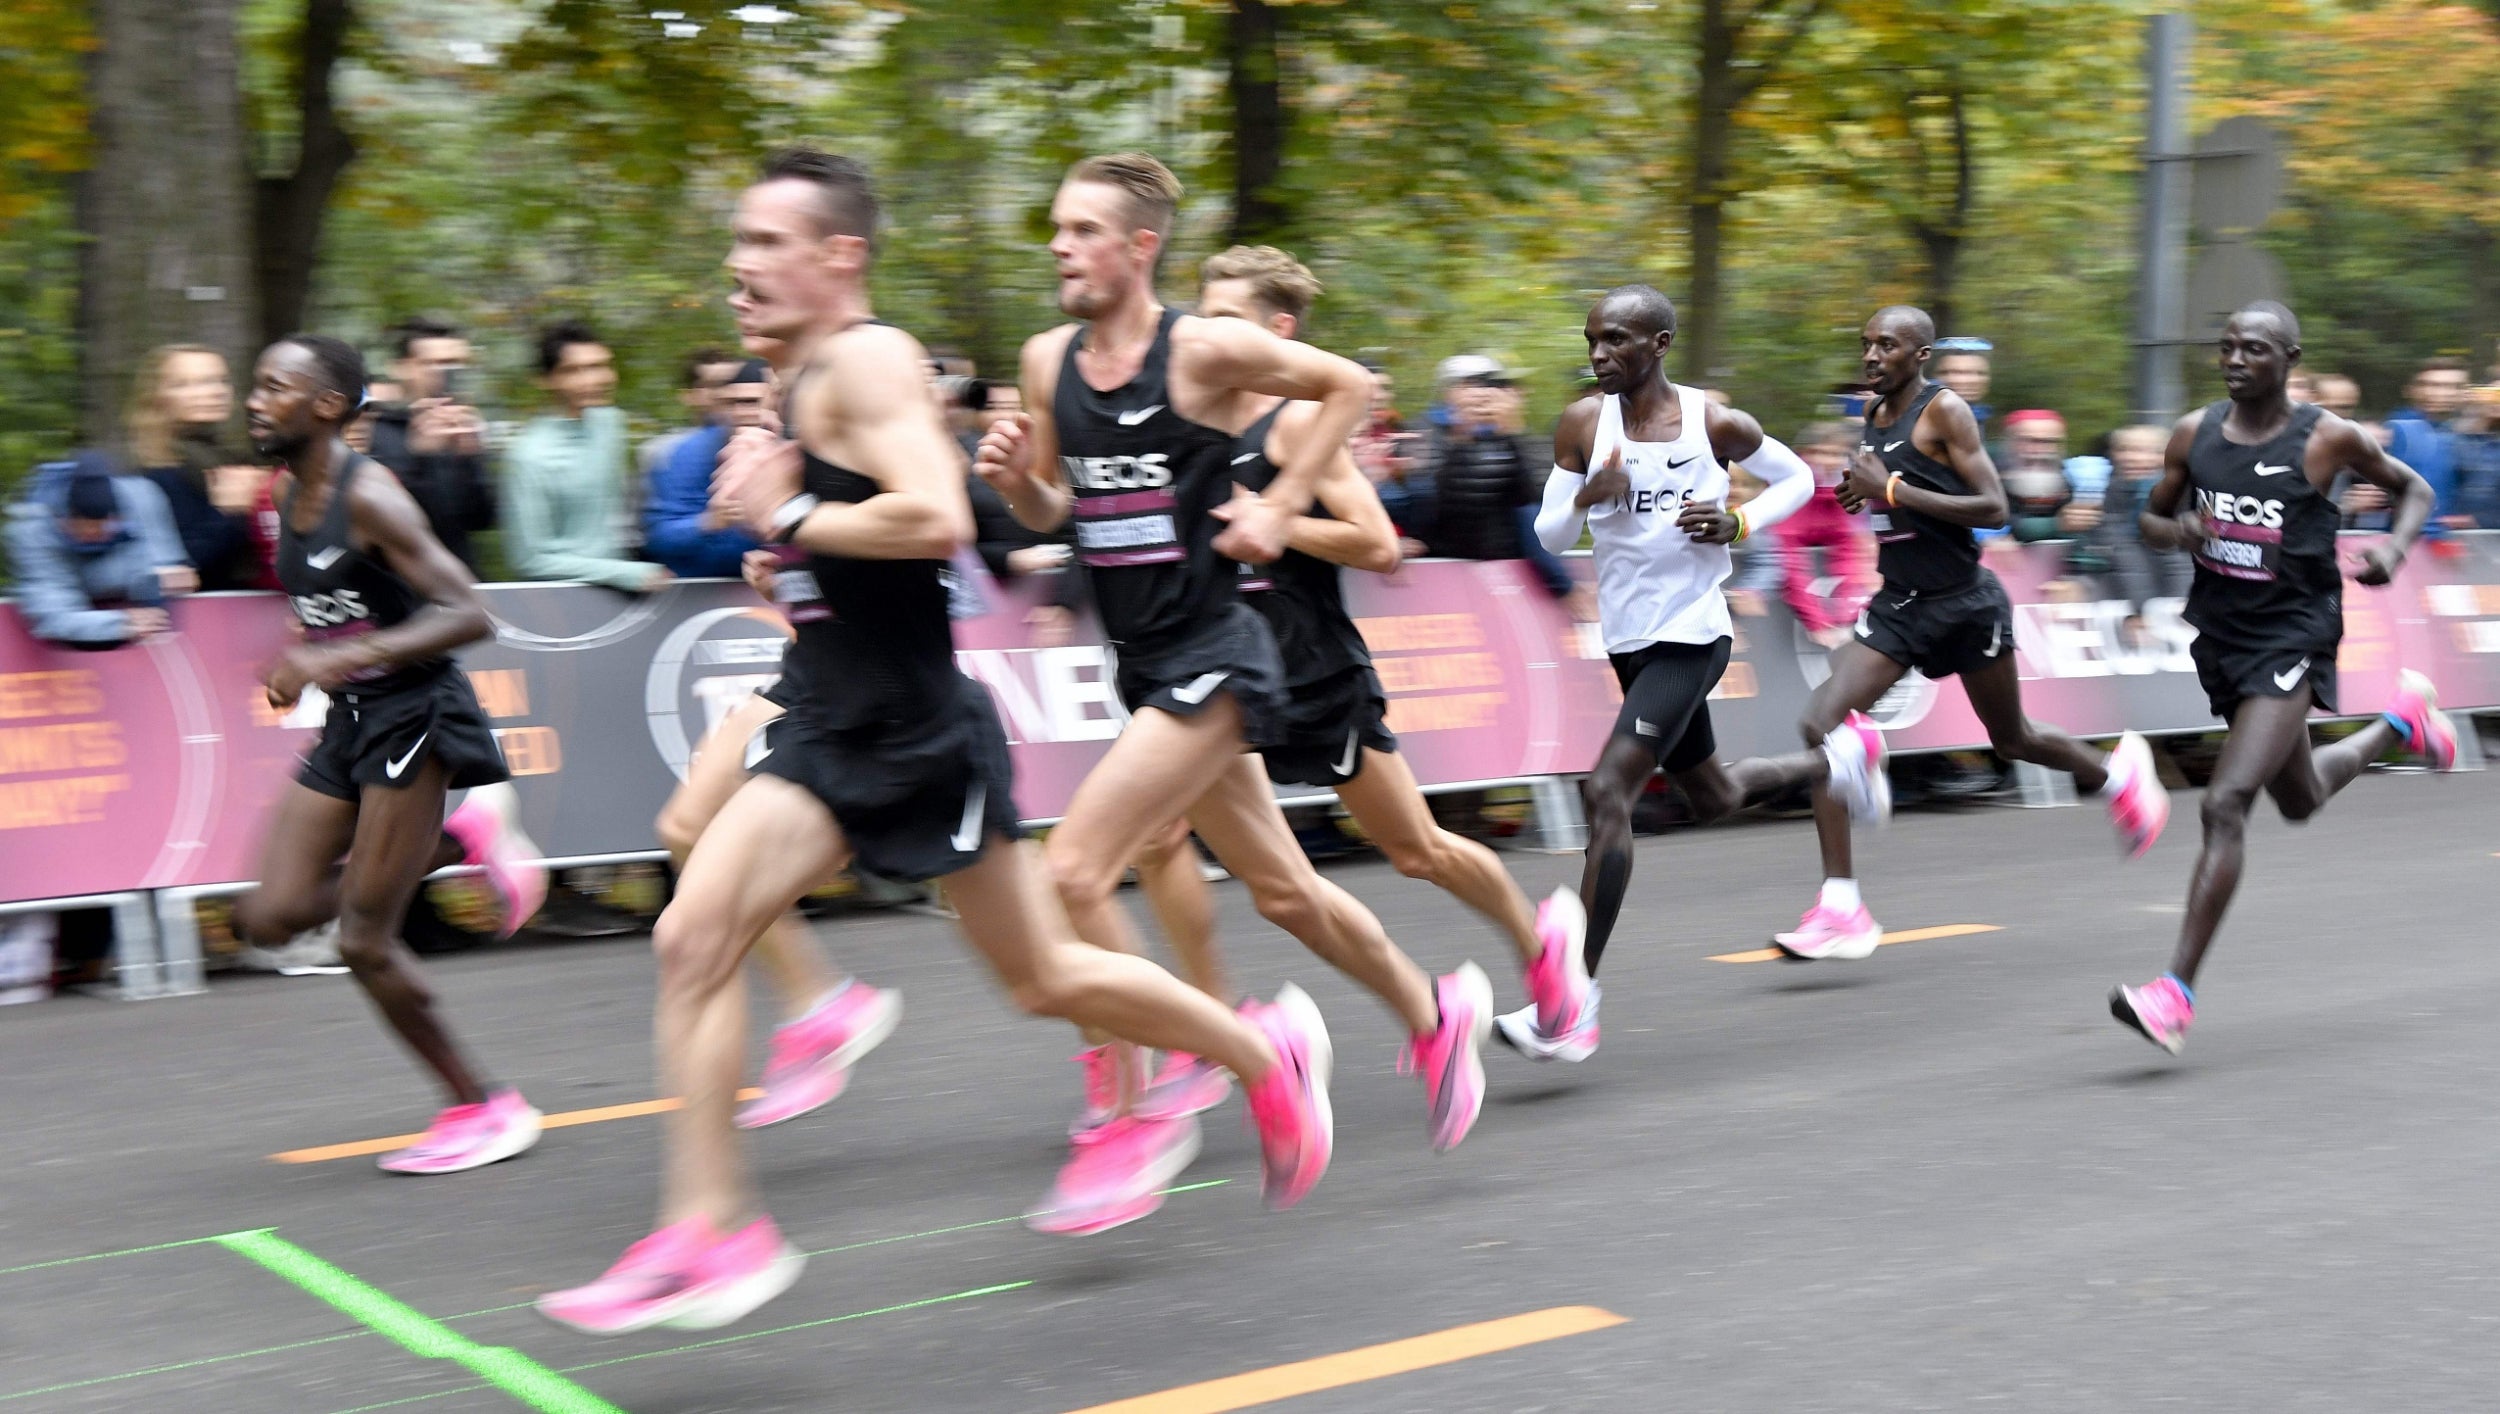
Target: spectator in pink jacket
{"x":1848,"y":550}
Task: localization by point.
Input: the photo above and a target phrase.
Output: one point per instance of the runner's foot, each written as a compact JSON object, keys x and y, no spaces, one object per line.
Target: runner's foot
{"x":488,"y":827}
{"x":2160,"y":1011}
{"x":1451,"y":1058}
{"x":1856,"y":751}
{"x":1116,"y":1173}
{"x":470,"y":1136}
{"x":1558,"y":980}
{"x":2139,"y":806}
{"x":1518,"y":1030}
{"x":1830,"y":933}
{"x":2415,"y":712}
{"x":1186,"y":1085}
{"x":1289,"y":1106}
{"x":684,"y":1276}
{"x":812,"y":1056}
{"x":1102,"y":1088}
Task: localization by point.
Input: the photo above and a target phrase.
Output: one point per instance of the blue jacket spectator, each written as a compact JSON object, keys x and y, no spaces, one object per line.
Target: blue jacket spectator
{"x":2420,"y":437}
{"x":678,"y":527}
{"x":95,"y":554}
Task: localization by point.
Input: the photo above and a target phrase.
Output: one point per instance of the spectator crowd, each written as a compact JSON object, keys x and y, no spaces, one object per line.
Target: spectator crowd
{"x":98,"y":542}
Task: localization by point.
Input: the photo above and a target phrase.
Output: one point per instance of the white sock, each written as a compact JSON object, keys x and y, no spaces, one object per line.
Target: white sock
{"x":1840,"y":895}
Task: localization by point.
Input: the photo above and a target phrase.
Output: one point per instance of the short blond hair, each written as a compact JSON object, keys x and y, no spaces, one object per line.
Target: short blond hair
{"x":1285,"y":285}
{"x":1153,"y":193}
{"x":2151,"y":436}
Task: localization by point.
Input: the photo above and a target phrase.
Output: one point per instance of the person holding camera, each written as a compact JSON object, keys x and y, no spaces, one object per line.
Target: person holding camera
{"x":435,"y":441}
{"x":95,"y":555}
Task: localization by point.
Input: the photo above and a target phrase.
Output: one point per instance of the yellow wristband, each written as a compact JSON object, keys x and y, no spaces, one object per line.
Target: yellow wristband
{"x":1743,"y":527}
{"x":1892,"y":489}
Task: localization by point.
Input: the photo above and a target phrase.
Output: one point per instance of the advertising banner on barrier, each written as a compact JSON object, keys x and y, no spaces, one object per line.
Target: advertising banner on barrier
{"x":155,"y":766}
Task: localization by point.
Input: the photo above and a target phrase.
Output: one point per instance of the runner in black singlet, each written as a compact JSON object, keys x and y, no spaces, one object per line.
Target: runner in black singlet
{"x":890,"y":755}
{"x":831,"y":1021}
{"x":2245,"y":489}
{"x":382,"y":605}
{"x":1925,"y":482}
{"x":1133,"y":414}
{"x":1334,"y":731}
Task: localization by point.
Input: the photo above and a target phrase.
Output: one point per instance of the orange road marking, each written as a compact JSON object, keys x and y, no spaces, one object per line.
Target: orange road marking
{"x":1912,"y":935}
{"x":565,"y":1120}
{"x":1372,"y":1362}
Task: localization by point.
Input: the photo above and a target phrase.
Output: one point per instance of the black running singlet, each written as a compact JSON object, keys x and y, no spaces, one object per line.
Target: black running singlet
{"x":2266,"y":575}
{"x":1301,"y":596}
{"x":1914,"y":551}
{"x":339,"y":591}
{"x":1144,"y":478}
{"x":874,"y":647}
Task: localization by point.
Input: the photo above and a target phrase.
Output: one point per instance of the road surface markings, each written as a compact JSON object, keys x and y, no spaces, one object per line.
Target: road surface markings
{"x":565,"y":1120}
{"x":1911,"y":935}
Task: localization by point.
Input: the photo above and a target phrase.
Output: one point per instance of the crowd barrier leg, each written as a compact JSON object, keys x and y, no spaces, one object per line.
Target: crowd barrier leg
{"x":1562,"y":827}
{"x":185,"y":970}
{"x":137,"y":965}
{"x":2042,"y":788}
{"x":2469,"y":743}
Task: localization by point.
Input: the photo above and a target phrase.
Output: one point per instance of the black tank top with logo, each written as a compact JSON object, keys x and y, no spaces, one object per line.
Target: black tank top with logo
{"x":1301,"y":596}
{"x":874,"y":648}
{"x":2266,"y":575}
{"x":1914,"y":551}
{"x":1144,"y":478}
{"x":339,"y":591}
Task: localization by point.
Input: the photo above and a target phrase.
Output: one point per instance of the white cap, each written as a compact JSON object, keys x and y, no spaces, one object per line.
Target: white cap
{"x":1467,"y":366}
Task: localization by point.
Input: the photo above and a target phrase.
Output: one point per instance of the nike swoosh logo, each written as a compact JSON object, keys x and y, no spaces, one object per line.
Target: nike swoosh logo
{"x":1131,"y":419}
{"x":757,"y":749}
{"x":1996,"y":638}
{"x":1673,"y":465}
{"x":1197,"y":691}
{"x":326,"y":558}
{"x":393,"y":768}
{"x":1247,"y":457}
{"x":1353,"y":743}
{"x":2265,"y":470}
{"x":967,"y":836}
{"x":1888,"y":446}
{"x":1866,"y":622}
{"x":2291,"y":675}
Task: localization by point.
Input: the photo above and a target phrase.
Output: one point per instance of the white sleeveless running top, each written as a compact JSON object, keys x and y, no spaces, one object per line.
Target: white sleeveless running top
{"x":1656,"y":584}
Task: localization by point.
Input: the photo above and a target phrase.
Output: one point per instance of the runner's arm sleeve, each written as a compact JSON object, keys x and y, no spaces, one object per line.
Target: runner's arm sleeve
{"x":1558,"y":521}
{"x":1787,"y":483}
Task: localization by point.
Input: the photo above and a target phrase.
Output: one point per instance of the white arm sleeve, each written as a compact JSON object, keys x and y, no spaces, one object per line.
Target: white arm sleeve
{"x":1558,"y":521}
{"x":1787,"y":484}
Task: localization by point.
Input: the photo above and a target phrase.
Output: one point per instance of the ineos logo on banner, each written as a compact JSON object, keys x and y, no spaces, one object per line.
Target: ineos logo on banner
{"x":706,"y":666}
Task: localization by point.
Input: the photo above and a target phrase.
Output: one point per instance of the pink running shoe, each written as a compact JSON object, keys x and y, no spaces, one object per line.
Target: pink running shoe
{"x":1558,"y":981}
{"x":488,"y":826}
{"x":1289,"y":1105}
{"x":812,"y":1057}
{"x":1451,"y":1058}
{"x":1186,"y":1085}
{"x":2160,"y":1010}
{"x":1116,"y":1173}
{"x":470,"y":1136}
{"x":1518,"y":1030}
{"x":1857,"y":753}
{"x":2139,"y":806}
{"x":2415,"y":712}
{"x":685,"y":1276}
{"x":1102,"y":1088}
{"x":1829,"y":933}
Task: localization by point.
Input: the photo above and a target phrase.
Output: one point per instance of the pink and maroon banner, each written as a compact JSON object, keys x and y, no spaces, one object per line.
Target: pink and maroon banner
{"x":155,"y":766}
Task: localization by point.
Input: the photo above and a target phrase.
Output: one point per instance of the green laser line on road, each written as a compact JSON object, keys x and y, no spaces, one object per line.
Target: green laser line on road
{"x":125,"y":1252}
{"x":723,"y":1340}
{"x":508,"y":1370}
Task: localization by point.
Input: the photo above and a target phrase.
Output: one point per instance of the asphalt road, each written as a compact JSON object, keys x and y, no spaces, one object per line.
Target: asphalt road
{"x":1938,"y":1179}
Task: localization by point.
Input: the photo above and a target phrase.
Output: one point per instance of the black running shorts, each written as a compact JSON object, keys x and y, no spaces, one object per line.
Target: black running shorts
{"x":916,"y":800}
{"x":2231,"y":674}
{"x":1941,"y":635}
{"x":1236,"y":654}
{"x":1328,"y":726}
{"x":1666,"y":700}
{"x":381,"y":739}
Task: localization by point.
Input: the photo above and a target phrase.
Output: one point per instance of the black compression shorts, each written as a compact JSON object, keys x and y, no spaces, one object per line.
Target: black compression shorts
{"x":1666,"y":691}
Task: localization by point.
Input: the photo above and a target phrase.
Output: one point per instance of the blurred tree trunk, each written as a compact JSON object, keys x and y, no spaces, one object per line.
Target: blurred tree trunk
{"x":288,"y":209}
{"x":1942,"y":240}
{"x":1740,"y":48}
{"x":1257,"y":90}
{"x":165,"y":209}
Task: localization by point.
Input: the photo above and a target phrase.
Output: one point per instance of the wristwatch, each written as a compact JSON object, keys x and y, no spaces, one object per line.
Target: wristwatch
{"x":786,"y":519}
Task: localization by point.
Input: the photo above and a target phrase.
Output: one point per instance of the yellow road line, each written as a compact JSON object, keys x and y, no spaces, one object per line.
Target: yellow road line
{"x":1911,"y":935}
{"x":565,"y":1120}
{"x":1372,"y":1362}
